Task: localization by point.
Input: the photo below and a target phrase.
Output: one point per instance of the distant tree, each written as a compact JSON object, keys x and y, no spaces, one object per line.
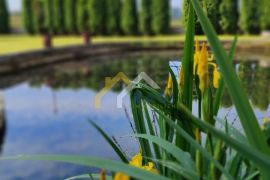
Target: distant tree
{"x":83,"y":20}
{"x":98,"y":15}
{"x":129,"y":17}
{"x":146,"y":17}
{"x":229,"y":16}
{"x":82,"y":16}
{"x":114,"y":16}
{"x":213,"y":13}
{"x":70,"y":16}
{"x":250,"y":16}
{"x":4,"y":17}
{"x":161,"y":16}
{"x":265,"y":12}
{"x":198,"y":27}
{"x":59,"y":16}
{"x":28,"y":16}
{"x":38,"y":16}
{"x":49,"y":16}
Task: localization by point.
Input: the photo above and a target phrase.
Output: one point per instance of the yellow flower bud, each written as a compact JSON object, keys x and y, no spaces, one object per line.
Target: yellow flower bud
{"x":103,"y":175}
{"x":196,"y":56}
{"x":137,"y":160}
{"x":198,"y":135}
{"x":203,"y":68}
{"x":197,"y":46}
{"x":182,"y":79}
{"x":169,"y":88}
{"x":216,"y":78}
{"x":150,"y":168}
{"x":121,"y":176}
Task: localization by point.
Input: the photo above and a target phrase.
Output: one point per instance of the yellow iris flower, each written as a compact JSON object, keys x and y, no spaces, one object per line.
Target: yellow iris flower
{"x":136,"y":161}
{"x":203,"y":68}
{"x":121,"y":176}
{"x":216,"y":78}
{"x":202,"y":60}
{"x":169,"y":88}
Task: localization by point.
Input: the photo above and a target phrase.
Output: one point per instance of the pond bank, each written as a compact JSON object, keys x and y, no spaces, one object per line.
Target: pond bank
{"x":20,"y":61}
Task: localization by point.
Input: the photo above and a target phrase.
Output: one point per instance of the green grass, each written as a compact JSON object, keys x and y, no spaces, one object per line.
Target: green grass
{"x":21,"y":43}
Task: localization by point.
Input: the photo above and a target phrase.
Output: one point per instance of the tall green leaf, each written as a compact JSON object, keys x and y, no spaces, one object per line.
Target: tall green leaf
{"x":89,"y":161}
{"x":180,"y":155}
{"x":262,"y":160}
{"x":110,"y":141}
{"x":188,"y":60}
{"x":220,"y":90}
{"x":239,"y":97}
{"x":138,"y":116}
{"x":195,"y":144}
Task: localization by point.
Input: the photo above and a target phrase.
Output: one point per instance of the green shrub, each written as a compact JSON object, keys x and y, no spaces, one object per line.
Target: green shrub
{"x":49,"y":16}
{"x":250,"y":16}
{"x":27,"y":12}
{"x":146,"y":17}
{"x":98,"y":15}
{"x":38,"y":16}
{"x":4,"y":17}
{"x":213,"y":13}
{"x":229,"y":16}
{"x":70,"y":16}
{"x":59,"y":16}
{"x":265,"y":12}
{"x":198,"y":27}
{"x":161,"y":16}
{"x":114,"y":16}
{"x":129,"y":17}
{"x":82,"y":16}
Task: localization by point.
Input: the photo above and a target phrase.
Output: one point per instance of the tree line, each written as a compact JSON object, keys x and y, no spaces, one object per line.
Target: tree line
{"x":228,"y":18}
{"x":116,"y":17}
{"x":4,"y":17}
{"x":99,"y":17}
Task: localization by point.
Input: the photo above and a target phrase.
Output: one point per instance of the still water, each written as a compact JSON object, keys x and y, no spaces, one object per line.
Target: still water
{"x":46,"y":110}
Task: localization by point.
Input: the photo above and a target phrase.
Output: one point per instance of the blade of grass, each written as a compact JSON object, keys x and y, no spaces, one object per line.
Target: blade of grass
{"x":110,"y":141}
{"x":180,"y":155}
{"x":175,"y":87}
{"x":233,"y":131}
{"x":188,"y":60}
{"x":137,"y":111}
{"x":179,"y":169}
{"x":234,"y":164}
{"x":194,"y":143}
{"x":88,"y":176}
{"x":252,"y":176}
{"x":151,"y":129}
{"x":88,"y":161}
{"x":239,"y":97}
{"x":247,"y":151}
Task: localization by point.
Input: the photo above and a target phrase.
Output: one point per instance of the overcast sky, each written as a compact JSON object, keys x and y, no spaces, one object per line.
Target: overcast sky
{"x":15,"y":5}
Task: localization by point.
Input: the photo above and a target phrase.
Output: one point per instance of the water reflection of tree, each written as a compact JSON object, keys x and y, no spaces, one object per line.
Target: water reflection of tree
{"x":261,"y":89}
{"x":94,"y":77}
{"x":226,"y":101}
{"x":255,"y":81}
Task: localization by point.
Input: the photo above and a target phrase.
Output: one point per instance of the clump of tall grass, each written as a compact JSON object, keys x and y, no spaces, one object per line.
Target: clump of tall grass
{"x":185,"y":146}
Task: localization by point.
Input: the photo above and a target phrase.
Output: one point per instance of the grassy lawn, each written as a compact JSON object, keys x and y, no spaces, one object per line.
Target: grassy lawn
{"x":20,"y":43}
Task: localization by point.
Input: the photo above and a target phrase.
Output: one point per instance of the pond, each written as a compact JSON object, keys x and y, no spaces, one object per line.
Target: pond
{"x":46,"y":110}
